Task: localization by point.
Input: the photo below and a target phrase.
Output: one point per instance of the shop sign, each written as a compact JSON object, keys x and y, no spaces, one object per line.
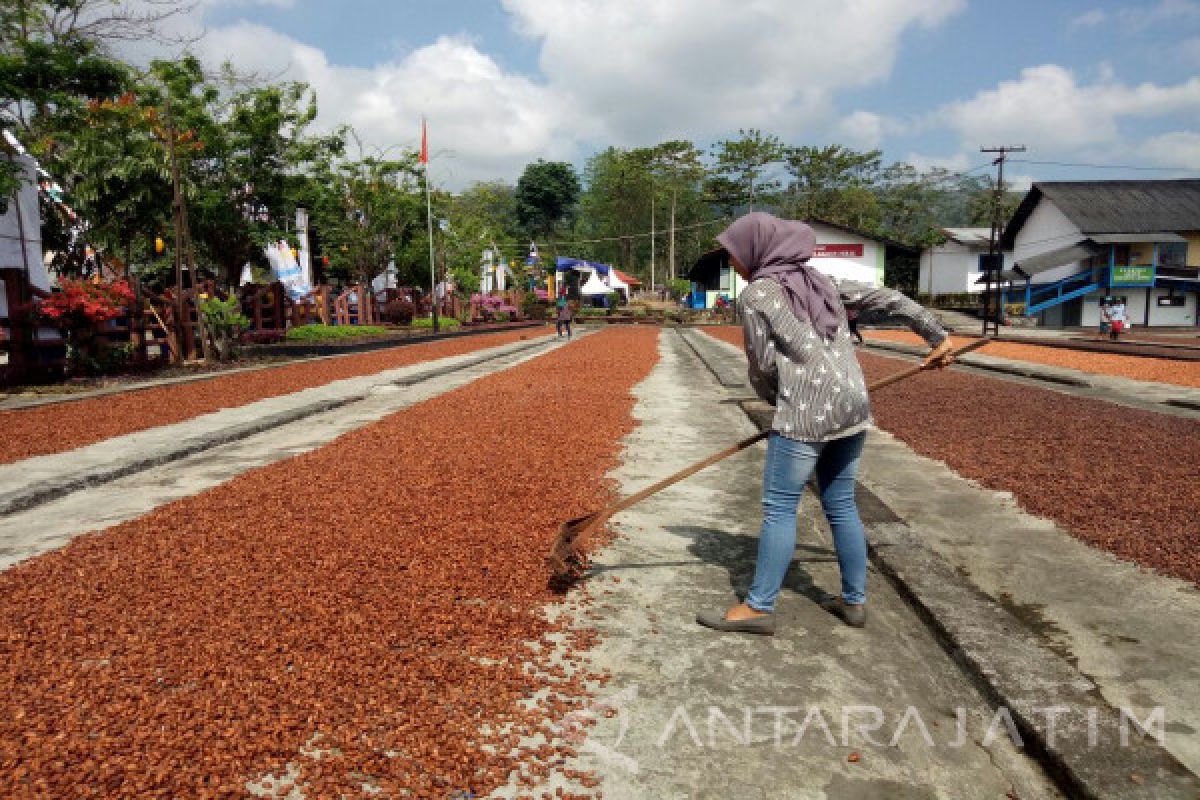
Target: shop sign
{"x":838,"y":251}
{"x":1132,"y":276}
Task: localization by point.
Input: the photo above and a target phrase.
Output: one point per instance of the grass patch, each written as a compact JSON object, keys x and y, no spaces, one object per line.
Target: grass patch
{"x":444,"y":323}
{"x":326,"y":333}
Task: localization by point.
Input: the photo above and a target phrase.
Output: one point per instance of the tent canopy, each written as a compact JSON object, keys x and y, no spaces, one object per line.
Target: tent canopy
{"x":594,"y":287}
{"x":582,"y":265}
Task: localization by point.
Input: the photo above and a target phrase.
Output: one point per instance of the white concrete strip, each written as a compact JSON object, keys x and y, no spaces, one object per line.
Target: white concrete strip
{"x":35,"y":531}
{"x":1132,"y":632}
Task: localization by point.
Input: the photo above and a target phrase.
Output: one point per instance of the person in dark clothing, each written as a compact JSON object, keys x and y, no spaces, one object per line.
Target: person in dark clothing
{"x":852,"y":324}
{"x":563,"y":320}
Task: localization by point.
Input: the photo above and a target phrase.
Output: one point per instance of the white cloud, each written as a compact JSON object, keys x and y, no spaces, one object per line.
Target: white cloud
{"x":863,"y":130}
{"x":619,"y":71}
{"x":1141,"y":16}
{"x":484,"y":122}
{"x":1090,"y":19}
{"x":1161,"y":12}
{"x":867,"y":130}
{"x":1175,"y":149}
{"x":1049,"y":110}
{"x":272,"y":3}
{"x":646,"y":69}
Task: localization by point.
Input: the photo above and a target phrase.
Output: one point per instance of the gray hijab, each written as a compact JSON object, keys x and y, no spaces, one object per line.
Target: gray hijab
{"x":779,"y":249}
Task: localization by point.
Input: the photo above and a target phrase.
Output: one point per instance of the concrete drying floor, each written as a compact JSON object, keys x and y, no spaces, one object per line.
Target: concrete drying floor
{"x":697,"y":714}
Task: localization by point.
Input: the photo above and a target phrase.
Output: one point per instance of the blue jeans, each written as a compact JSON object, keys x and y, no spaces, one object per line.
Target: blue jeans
{"x":789,"y":465}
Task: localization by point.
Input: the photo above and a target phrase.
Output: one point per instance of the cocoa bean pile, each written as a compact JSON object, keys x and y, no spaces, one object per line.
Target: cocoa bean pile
{"x":59,"y":427}
{"x":726,"y":333}
{"x":1138,"y":368}
{"x":372,"y":612}
{"x":1120,"y":479}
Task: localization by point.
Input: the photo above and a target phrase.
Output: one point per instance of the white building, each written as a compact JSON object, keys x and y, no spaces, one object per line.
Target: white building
{"x":1076,"y":242}
{"x":952,"y":267}
{"x":842,"y":253}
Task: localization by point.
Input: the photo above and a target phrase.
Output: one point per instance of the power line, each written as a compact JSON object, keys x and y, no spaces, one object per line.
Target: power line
{"x":642,"y":235}
{"x":1103,"y":166}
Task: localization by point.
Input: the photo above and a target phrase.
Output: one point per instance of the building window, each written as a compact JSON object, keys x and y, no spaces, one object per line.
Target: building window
{"x":1172,"y":254}
{"x":725,"y":273}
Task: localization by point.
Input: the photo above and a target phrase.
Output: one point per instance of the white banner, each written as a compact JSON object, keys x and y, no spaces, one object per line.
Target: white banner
{"x":287,"y":270}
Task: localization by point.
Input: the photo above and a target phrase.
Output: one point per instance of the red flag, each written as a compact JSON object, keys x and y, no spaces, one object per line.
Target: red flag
{"x":424,"y":144}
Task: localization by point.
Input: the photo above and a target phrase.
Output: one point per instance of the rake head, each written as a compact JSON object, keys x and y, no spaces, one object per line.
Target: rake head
{"x":567,"y":559}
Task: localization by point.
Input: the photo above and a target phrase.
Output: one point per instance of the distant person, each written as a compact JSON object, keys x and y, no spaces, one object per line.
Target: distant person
{"x":852,"y":323}
{"x":563,"y":317}
{"x":1105,"y":317}
{"x":1116,"y":314}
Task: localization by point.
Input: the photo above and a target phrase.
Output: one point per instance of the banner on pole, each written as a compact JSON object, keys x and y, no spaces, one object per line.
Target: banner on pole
{"x":287,"y":270}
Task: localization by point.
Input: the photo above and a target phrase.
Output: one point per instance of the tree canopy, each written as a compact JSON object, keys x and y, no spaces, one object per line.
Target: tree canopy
{"x":250,"y":155}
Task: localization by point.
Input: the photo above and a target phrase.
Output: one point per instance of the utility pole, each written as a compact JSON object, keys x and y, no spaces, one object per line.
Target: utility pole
{"x":653,"y":238}
{"x":433,"y":298}
{"x":671,"y":239}
{"x":995,"y":261}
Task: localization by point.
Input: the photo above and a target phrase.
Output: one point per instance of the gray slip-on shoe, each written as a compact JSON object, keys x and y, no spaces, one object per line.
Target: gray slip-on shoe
{"x":764,"y":625}
{"x":853,"y":615}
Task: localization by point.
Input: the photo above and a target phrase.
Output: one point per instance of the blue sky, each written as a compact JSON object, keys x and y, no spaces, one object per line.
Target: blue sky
{"x":506,"y":81}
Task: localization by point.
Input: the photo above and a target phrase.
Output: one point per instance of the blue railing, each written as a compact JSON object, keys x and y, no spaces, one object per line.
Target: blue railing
{"x":1039,"y":298}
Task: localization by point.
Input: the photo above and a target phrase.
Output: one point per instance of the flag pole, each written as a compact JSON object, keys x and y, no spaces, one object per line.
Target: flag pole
{"x":433,"y":298}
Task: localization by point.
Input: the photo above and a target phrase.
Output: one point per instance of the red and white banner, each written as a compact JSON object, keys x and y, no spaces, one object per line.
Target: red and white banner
{"x":838,"y":251}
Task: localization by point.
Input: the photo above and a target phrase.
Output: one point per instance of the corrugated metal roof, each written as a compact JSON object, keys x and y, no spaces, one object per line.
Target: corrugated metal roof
{"x":1116,"y":206}
{"x":1136,"y":238}
{"x":969,"y":236}
{"x":1128,"y":206}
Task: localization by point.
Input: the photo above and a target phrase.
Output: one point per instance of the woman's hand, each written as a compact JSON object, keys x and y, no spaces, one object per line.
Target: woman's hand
{"x":941,"y":356}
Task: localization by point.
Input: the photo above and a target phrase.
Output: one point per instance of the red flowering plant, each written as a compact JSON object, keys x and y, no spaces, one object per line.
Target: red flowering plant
{"x":83,"y":304}
{"x":77,"y":309}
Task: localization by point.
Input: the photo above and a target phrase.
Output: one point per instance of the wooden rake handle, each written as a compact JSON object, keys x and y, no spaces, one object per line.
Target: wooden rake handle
{"x":692,"y":469}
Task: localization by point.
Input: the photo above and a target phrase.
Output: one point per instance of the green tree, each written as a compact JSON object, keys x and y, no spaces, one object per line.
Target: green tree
{"x":481,"y":216}
{"x":546,"y":195}
{"x":118,"y":179}
{"x":982,"y":202}
{"x":678,"y":173}
{"x":47,"y":76}
{"x":616,"y":204}
{"x":741,"y":175}
{"x":370,"y":213}
{"x":256,"y":171}
{"x":834,"y":184}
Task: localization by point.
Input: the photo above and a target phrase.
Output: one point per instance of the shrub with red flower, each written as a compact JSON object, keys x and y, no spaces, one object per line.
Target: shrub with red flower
{"x":82,"y":304}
